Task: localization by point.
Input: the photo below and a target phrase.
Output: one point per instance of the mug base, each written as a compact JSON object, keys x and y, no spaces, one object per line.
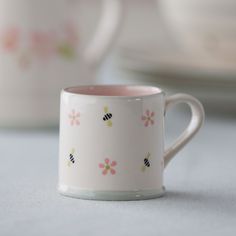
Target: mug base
{"x":110,"y":195}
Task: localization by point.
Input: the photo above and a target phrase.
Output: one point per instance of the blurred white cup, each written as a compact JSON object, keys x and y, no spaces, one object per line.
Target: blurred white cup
{"x":44,"y":47}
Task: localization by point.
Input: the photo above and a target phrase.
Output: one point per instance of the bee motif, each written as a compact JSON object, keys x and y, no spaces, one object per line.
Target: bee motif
{"x":71,"y":157}
{"x":146,"y":162}
{"x":107,"y":117}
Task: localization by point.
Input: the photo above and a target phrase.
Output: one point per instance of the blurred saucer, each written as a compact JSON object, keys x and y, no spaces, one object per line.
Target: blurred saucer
{"x":213,"y":83}
{"x":175,"y":64}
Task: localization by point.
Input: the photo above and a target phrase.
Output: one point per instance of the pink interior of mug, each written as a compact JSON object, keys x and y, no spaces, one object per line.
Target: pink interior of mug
{"x":115,"y":90}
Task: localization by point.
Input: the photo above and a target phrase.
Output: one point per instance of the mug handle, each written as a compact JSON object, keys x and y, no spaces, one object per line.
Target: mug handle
{"x":195,"y":124}
{"x":105,"y":34}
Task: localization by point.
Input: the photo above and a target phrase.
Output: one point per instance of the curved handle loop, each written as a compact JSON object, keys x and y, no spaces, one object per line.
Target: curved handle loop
{"x":106,"y":32}
{"x":195,"y":124}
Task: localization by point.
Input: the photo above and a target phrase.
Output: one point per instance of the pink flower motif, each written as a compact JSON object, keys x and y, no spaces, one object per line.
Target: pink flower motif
{"x":107,"y":166}
{"x":71,"y":34}
{"x":74,"y":118}
{"x":10,"y":39}
{"x":43,"y":44}
{"x":148,"y":118}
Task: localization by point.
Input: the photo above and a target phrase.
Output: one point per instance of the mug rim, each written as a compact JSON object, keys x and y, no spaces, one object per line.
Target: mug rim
{"x":92,"y":91}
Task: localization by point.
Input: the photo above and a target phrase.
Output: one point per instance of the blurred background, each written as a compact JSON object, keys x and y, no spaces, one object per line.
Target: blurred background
{"x":186,"y":46}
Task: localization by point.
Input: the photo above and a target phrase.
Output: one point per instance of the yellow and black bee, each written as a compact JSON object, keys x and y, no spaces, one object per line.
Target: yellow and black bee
{"x":107,"y":117}
{"x":146,"y":162}
{"x":71,"y":157}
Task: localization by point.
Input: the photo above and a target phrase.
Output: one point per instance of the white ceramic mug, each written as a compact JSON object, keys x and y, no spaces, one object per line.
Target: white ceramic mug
{"x":46,"y":46}
{"x":112,"y":140}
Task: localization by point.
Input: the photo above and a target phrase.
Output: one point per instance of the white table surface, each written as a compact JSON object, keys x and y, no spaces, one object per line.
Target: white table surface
{"x":200,"y":182}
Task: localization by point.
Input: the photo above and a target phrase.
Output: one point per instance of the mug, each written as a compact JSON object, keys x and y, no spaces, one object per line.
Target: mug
{"x":46,"y":46}
{"x":112,"y":140}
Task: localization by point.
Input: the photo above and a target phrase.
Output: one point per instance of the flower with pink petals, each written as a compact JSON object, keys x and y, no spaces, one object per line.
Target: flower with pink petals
{"x":74,"y":118}
{"x":43,"y":44}
{"x":107,"y":166}
{"x":148,"y":118}
{"x":10,"y":39}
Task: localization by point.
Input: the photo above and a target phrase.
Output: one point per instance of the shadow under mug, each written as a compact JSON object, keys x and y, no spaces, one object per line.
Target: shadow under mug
{"x":112,"y":140}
